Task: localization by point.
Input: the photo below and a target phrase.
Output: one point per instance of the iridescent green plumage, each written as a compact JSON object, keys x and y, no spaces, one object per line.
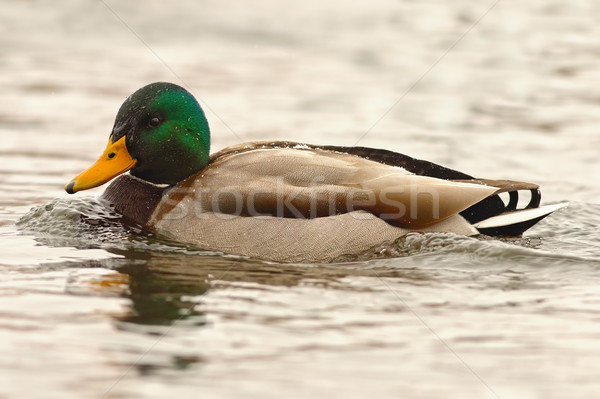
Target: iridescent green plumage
{"x":166,"y":132}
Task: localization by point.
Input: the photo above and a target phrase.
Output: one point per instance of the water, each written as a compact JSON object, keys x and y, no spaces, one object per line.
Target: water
{"x":92,"y":309}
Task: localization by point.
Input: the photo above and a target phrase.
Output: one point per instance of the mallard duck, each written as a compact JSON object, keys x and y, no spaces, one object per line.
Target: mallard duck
{"x":285,"y":201}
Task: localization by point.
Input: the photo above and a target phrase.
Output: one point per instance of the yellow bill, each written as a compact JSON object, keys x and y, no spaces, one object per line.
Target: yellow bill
{"x":114,"y":161}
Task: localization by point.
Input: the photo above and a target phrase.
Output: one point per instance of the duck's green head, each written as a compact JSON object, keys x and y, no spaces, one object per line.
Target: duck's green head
{"x":160,"y":134}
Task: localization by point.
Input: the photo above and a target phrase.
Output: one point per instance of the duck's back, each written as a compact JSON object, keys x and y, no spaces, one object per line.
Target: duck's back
{"x":286,"y":204}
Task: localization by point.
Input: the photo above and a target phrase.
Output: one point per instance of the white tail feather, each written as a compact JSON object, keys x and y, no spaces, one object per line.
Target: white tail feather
{"x":519,"y":216}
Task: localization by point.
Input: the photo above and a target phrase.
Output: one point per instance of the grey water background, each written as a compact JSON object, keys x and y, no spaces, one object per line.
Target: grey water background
{"x":92,"y":309}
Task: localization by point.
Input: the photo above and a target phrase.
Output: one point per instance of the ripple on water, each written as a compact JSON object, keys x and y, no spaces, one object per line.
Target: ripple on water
{"x":81,"y":218}
{"x":89,"y":222}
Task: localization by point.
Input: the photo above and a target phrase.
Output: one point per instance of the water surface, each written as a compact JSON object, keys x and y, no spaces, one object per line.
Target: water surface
{"x":90,"y":308}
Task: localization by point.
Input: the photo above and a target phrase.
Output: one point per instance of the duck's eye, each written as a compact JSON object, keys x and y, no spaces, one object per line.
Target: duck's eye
{"x":154,"y":122}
